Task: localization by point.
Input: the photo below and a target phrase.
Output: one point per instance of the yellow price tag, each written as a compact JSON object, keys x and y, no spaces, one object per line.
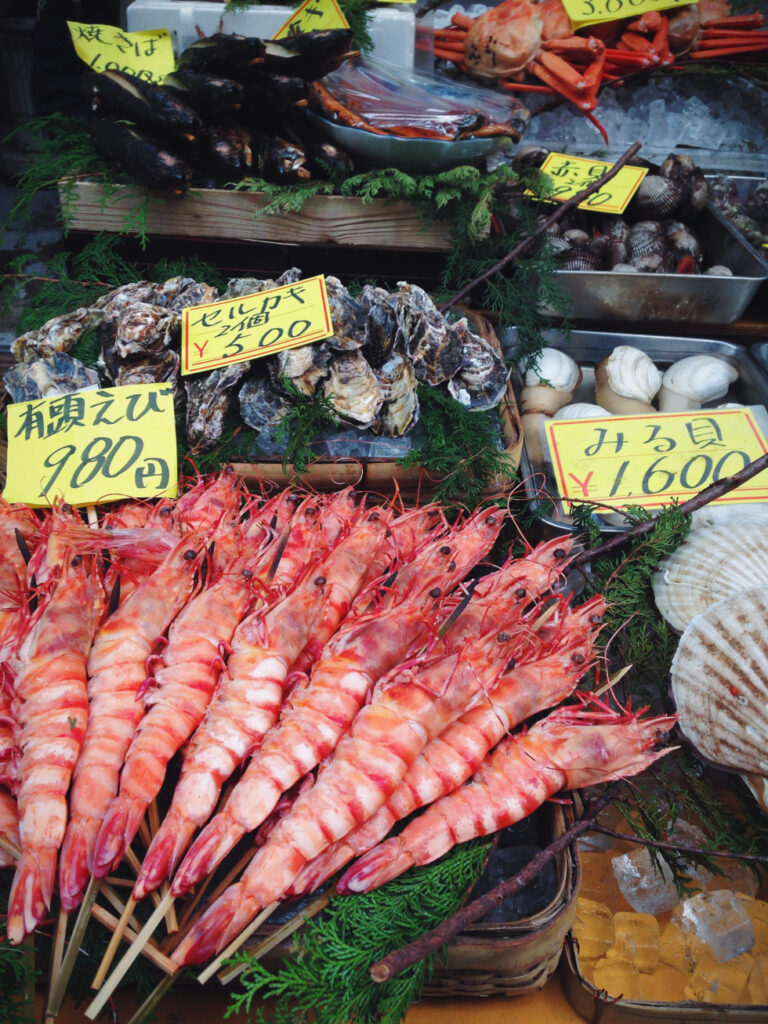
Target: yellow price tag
{"x":572,"y":174}
{"x":592,"y":12}
{"x":93,"y":446}
{"x":313,"y":14}
{"x":252,"y":326}
{"x":147,"y":55}
{"x":649,"y":460}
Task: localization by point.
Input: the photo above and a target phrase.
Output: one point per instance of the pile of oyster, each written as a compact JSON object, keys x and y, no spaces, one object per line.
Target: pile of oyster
{"x":749,"y":215}
{"x":384,"y":344}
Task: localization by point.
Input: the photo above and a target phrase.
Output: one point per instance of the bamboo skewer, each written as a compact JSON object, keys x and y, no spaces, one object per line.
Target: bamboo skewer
{"x":237,"y":942}
{"x":10,"y":848}
{"x":298,"y":919}
{"x":59,"y":983}
{"x":121,"y":970}
{"x":149,"y":949}
{"x":114,"y":942}
{"x":111,"y":896}
{"x":57,"y":954}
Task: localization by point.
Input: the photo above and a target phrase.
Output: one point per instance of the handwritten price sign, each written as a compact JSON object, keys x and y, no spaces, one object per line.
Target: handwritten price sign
{"x":312,"y":15}
{"x":147,"y":55}
{"x":572,"y":174}
{"x":252,"y":326}
{"x":591,"y":12}
{"x":649,"y":460}
{"x":93,"y":446}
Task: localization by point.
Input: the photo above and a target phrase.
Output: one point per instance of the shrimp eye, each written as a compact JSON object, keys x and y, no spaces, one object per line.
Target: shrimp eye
{"x":77,"y":560}
{"x":320,"y":581}
{"x":189,"y":555}
{"x":451,"y":566}
{"x":445,"y":550}
{"x":66,"y":508}
{"x":166,"y":510}
{"x":511,"y":664}
{"x":559,"y":552}
{"x":388,"y":534}
{"x":577,"y":659}
{"x":247,"y":574}
{"x":491,"y":520}
{"x":374,"y":517}
{"x":435,"y":592}
{"x":596,"y":619}
{"x":520,"y":592}
{"x":502,"y":638}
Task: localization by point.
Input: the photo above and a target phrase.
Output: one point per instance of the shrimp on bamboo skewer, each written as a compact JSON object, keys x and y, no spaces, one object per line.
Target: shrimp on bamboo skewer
{"x":9,"y":828}
{"x":452,"y":757}
{"x":19,"y":536}
{"x":51,"y":704}
{"x":570,"y":749}
{"x":248,"y":699}
{"x":10,"y":751}
{"x":321,"y":712}
{"x":116,"y":669}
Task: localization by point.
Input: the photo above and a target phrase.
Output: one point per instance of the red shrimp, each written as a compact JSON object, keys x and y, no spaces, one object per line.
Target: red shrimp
{"x":449,"y":759}
{"x":248,"y":698}
{"x":19,"y":529}
{"x":9,"y":827}
{"x":320,"y":713}
{"x":116,"y":671}
{"x":51,"y":704}
{"x":10,"y":751}
{"x":212,"y":501}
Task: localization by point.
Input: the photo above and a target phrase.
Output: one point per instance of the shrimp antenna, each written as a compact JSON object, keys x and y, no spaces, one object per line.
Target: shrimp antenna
{"x":26,"y":554}
{"x":457,"y":611}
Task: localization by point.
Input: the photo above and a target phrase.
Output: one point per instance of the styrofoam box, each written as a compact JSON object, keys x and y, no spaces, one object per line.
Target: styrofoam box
{"x":392,"y":29}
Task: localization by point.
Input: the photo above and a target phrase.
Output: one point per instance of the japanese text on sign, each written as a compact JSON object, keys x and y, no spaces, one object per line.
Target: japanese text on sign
{"x":93,"y":446}
{"x":313,"y":15}
{"x":591,"y":12}
{"x":147,"y":55}
{"x":572,"y":174}
{"x":649,"y":460}
{"x":256,"y":325}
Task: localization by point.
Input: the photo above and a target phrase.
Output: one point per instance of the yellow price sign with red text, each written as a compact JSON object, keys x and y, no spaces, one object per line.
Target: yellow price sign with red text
{"x":649,"y":460}
{"x":313,"y":15}
{"x":252,"y":326}
{"x":592,"y":12}
{"x":572,"y":174}
{"x":104,"y":444}
{"x":147,"y":55}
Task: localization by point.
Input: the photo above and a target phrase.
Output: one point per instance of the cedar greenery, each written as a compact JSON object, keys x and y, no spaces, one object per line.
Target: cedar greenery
{"x":327,"y":975}
{"x":307,"y":418}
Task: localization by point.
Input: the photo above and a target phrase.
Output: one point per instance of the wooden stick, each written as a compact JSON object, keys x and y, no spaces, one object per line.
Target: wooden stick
{"x":263,"y":947}
{"x":111,"y":896}
{"x":114,"y":942}
{"x":10,"y":848}
{"x":135,"y":866}
{"x":185,"y":924}
{"x":149,"y":949}
{"x":57,"y":953}
{"x":612,"y":681}
{"x":59,"y":984}
{"x":122,"y":968}
{"x":237,"y":942}
{"x":526,"y":243}
{"x":153,"y":999}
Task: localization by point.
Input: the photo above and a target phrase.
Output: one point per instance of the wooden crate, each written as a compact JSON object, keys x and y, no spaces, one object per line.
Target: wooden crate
{"x":222,"y":215}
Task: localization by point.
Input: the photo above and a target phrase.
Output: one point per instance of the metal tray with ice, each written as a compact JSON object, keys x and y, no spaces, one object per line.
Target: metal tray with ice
{"x":588,"y":349}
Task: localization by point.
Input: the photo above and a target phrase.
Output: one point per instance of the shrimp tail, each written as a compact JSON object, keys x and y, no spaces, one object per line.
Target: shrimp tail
{"x":31,"y":892}
{"x":73,"y":866}
{"x":164,"y":853}
{"x":221,"y":923}
{"x":380,"y":865}
{"x":120,"y":825}
{"x":209,"y":849}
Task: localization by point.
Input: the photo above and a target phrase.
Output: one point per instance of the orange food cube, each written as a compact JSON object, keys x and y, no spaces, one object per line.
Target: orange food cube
{"x":715,"y":982}
{"x":758,"y":981}
{"x":636,"y":939}
{"x":664,"y":985}
{"x":592,"y":929}
{"x":618,"y":978}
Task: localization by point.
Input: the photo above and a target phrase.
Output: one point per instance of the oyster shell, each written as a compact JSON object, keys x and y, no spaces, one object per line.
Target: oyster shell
{"x":195,"y":294}
{"x":208,"y":399}
{"x":347,"y":316}
{"x":162,"y":367}
{"x":482,"y":380}
{"x":720,"y":682}
{"x":627,"y":380}
{"x":708,"y":566}
{"x":690,"y":382}
{"x":56,"y":335}
{"x":400,"y":410}
{"x":137,"y":331}
{"x":261,"y":405}
{"x":433,"y":348}
{"x":239,"y":286}
{"x":381,"y":310}
{"x":304,"y":366}
{"x":127,"y":295}
{"x":57,"y":374}
{"x":353,"y":389}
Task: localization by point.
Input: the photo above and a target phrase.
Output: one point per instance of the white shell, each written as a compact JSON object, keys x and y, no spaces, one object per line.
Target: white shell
{"x":716,"y":514}
{"x":720,"y":682}
{"x":708,"y":566}
{"x":631,"y":373}
{"x":554,"y":368}
{"x":702,"y":378}
{"x":580,"y":411}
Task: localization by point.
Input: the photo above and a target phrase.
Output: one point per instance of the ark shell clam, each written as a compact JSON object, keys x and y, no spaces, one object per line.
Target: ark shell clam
{"x":708,"y":566}
{"x":658,"y":197}
{"x":720,"y":682}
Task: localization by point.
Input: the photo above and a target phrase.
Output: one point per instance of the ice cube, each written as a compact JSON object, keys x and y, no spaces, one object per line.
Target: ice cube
{"x":646,"y":885}
{"x":720,"y":920}
{"x":636,"y":939}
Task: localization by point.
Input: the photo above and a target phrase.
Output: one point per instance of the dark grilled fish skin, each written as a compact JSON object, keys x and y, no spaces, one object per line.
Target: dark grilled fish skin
{"x":140,"y":156}
{"x":151,"y":107}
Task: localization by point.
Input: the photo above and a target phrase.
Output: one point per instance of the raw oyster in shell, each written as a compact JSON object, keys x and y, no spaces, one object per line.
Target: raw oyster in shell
{"x":240,"y":286}
{"x":353,"y":390}
{"x":400,"y":410}
{"x":195,"y":294}
{"x":57,"y":374}
{"x":482,"y":380}
{"x":304,"y":366}
{"x":56,"y":335}
{"x":434,"y":349}
{"x":381,"y":312}
{"x":708,"y":566}
{"x":720,"y":682}
{"x":127,"y":295}
{"x":138,"y":331}
{"x":261,"y":405}
{"x":208,"y":399}
{"x":347,"y":316}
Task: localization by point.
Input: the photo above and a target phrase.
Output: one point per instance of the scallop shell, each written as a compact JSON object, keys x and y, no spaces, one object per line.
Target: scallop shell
{"x":718,"y":270}
{"x":720,"y":682}
{"x":554,"y":368}
{"x":580,"y":411}
{"x":708,"y":566}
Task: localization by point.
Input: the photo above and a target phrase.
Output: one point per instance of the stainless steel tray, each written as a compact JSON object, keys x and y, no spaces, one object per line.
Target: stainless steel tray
{"x":589,"y":348}
{"x":745,"y":185}
{"x":685,"y":298}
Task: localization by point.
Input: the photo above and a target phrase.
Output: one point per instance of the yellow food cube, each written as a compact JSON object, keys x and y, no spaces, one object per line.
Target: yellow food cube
{"x":758,"y":981}
{"x":664,"y":985}
{"x":617,"y":977}
{"x":592,"y":929}
{"x":636,"y":939}
{"x":757,"y":911}
{"x":715,"y":982}
{"x":597,"y":880}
